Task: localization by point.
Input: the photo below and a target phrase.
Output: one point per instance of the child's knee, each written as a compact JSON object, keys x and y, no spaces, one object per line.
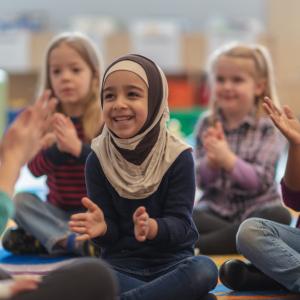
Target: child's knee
{"x":249,"y":234}
{"x":23,"y":201}
{"x":205,"y":271}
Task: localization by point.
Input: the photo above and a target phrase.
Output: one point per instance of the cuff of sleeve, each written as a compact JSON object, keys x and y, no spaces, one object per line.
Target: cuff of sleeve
{"x":162,"y":232}
{"x":104,"y":239}
{"x":288,"y":192}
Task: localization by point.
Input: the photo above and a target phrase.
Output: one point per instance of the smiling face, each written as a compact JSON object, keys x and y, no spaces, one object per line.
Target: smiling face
{"x":125,"y":103}
{"x":70,"y":77}
{"x":234,"y":86}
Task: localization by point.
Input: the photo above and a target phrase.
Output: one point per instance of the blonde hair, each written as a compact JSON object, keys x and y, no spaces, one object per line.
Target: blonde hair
{"x":91,"y":118}
{"x":263,"y":68}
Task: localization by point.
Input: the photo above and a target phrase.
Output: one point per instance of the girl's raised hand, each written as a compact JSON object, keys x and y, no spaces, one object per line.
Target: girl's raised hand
{"x":23,"y":139}
{"x":90,"y":224}
{"x":284,"y":120}
{"x":66,"y":135}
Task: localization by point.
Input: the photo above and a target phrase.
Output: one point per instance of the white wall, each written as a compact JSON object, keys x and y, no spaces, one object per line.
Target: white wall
{"x":195,"y":12}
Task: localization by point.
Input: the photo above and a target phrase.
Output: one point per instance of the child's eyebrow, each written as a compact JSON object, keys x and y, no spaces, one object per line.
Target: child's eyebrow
{"x":135,"y":87}
{"x":109,"y":88}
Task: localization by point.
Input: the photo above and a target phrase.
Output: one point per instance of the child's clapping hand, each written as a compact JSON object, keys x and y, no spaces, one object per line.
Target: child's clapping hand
{"x":90,"y":224}
{"x":66,"y":135}
{"x":218,"y":152}
{"x":144,"y":226}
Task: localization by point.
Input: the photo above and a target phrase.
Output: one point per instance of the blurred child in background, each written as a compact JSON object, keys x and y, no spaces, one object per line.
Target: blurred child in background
{"x":72,"y":73}
{"x":237,"y":149}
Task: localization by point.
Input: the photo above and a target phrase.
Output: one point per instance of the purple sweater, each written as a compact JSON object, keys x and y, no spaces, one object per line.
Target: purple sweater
{"x":291,"y":199}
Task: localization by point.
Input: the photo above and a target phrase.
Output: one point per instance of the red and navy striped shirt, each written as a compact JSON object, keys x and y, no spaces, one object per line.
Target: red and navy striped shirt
{"x":65,"y":172}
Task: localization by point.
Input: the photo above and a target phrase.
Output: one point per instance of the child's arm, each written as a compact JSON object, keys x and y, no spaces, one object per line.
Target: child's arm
{"x":253,"y":175}
{"x":258,"y":173}
{"x":97,"y":191}
{"x":175,"y":223}
{"x":19,"y":144}
{"x":289,"y":126}
{"x":206,"y":172}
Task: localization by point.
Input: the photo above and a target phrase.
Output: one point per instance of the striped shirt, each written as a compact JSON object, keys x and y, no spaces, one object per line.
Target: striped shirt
{"x":65,"y":173}
{"x":251,"y":184}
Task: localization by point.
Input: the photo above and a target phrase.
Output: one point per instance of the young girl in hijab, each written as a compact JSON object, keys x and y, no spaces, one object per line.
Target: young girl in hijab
{"x":141,"y":187}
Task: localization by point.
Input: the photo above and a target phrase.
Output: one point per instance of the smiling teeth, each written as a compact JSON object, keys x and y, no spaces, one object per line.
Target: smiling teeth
{"x":122,"y":118}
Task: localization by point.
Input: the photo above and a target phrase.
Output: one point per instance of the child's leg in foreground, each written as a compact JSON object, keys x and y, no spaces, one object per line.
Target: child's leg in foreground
{"x":192,"y":279}
{"x":46,"y":223}
{"x":273,"y":248}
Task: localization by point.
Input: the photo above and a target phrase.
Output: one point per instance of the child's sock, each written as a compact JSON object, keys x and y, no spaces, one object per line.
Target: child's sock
{"x":241,"y":276}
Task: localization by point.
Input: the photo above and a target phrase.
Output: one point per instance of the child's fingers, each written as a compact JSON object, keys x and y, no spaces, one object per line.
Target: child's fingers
{"x":141,"y":237}
{"x":270,"y":108}
{"x":267,"y":109}
{"x":141,"y":224}
{"x":138,"y":212}
{"x":83,"y":237}
{"x":89,"y":204}
{"x":220,"y":130}
{"x":42,"y":101}
{"x":79,"y":217}
{"x":69,"y":123}
{"x":288,"y":112}
{"x":78,"y":223}
{"x":80,"y":230}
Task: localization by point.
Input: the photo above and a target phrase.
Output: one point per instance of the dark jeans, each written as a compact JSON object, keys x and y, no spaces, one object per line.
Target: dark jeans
{"x":87,"y":278}
{"x":190,"y":278}
{"x":217,"y":235}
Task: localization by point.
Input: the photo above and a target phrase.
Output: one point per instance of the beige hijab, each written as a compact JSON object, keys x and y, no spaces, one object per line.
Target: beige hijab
{"x":129,"y":179}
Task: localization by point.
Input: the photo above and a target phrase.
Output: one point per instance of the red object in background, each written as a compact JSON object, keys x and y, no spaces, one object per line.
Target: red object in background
{"x":181,"y":93}
{"x":204,"y":92}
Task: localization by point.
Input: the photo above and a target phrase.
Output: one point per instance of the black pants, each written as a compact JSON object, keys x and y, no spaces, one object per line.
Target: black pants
{"x":217,"y":234}
{"x":84,"y":279}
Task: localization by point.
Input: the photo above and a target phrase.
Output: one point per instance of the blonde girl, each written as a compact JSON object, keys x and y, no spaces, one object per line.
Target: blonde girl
{"x":72,"y":74}
{"x":237,"y":148}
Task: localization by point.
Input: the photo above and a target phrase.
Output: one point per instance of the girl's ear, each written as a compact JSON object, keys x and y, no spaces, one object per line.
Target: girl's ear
{"x":260,"y":87}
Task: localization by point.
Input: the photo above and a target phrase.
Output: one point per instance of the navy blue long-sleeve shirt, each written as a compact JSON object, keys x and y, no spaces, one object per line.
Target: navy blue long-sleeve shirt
{"x":171,"y":206}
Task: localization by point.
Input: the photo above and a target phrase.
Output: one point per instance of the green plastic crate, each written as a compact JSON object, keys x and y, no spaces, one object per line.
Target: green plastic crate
{"x":187,"y":119}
